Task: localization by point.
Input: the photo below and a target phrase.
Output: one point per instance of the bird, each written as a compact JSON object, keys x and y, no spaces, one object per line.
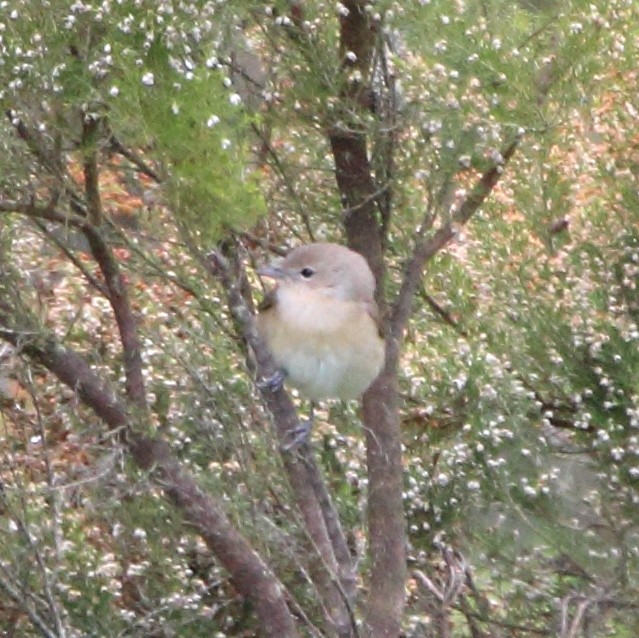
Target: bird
{"x":321,"y":322}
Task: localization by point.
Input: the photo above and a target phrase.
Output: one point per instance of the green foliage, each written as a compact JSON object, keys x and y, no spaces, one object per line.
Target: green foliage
{"x":531,"y":401}
{"x":199,"y":135}
{"x":133,"y":67}
{"x":521,"y":389}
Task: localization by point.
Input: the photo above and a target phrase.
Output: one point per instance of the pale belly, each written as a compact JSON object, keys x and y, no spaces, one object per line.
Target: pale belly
{"x":321,"y":370}
{"x":339,"y":361}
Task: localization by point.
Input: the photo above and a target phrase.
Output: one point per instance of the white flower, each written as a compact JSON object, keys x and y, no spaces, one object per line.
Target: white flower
{"x":497,"y":157}
{"x":617,"y":453}
{"x":235,"y":99}
{"x":491,"y":359}
{"x":212,"y":121}
{"x":114,"y":91}
{"x":148,"y":79}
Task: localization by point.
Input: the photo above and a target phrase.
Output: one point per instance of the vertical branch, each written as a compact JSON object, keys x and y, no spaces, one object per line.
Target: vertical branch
{"x":90,"y":168}
{"x":386,"y":523}
{"x":349,"y":142}
{"x":299,"y":465}
{"x":359,"y":193}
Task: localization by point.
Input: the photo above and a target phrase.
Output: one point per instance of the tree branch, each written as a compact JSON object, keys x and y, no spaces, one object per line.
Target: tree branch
{"x":347,"y":575}
{"x":114,"y":288}
{"x":14,"y":593}
{"x":90,"y":168}
{"x":249,"y":573}
{"x":118,"y":297}
{"x":426,"y":247}
{"x":134,"y":158}
{"x":362,"y":199}
{"x":298,"y":464}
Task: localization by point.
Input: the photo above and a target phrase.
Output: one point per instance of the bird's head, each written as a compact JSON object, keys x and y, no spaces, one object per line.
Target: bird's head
{"x":330,"y":269}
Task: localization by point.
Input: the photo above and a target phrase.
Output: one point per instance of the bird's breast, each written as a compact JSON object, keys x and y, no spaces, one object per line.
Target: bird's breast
{"x":328,"y":347}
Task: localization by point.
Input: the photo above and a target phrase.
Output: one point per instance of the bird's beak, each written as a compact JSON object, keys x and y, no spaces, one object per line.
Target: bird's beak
{"x":271,"y":271}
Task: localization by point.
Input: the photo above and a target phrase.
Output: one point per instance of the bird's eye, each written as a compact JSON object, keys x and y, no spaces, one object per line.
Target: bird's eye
{"x":307,"y":272}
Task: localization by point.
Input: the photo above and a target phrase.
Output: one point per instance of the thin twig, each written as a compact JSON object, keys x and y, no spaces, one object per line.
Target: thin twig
{"x":134,"y":158}
{"x":288,"y":183}
{"x":18,"y":597}
{"x":49,"y":577}
{"x":53,"y":238}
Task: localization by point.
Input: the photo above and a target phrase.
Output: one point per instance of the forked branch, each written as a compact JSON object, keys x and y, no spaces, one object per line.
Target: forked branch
{"x":250,"y":574}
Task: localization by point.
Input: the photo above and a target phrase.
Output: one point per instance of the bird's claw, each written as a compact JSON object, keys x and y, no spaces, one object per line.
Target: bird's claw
{"x":299,"y":435}
{"x":273,"y":382}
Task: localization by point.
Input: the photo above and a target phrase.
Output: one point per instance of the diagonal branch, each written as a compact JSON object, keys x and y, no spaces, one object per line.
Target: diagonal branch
{"x":250,"y":574}
{"x":426,"y":247}
{"x":15,"y":593}
{"x":118,"y":296}
{"x":114,"y":288}
{"x":299,"y":465}
{"x":135,"y":158}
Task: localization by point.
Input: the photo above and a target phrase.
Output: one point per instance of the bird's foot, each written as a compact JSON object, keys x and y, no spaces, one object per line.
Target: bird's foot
{"x":273,"y":382}
{"x":299,"y":435}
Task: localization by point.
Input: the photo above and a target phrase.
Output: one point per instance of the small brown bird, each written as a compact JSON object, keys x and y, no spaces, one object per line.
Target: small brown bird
{"x":321,"y":321}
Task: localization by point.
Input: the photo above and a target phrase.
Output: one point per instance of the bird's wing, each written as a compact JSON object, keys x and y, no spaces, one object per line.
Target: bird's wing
{"x":269,"y":301}
{"x":373,"y":312}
